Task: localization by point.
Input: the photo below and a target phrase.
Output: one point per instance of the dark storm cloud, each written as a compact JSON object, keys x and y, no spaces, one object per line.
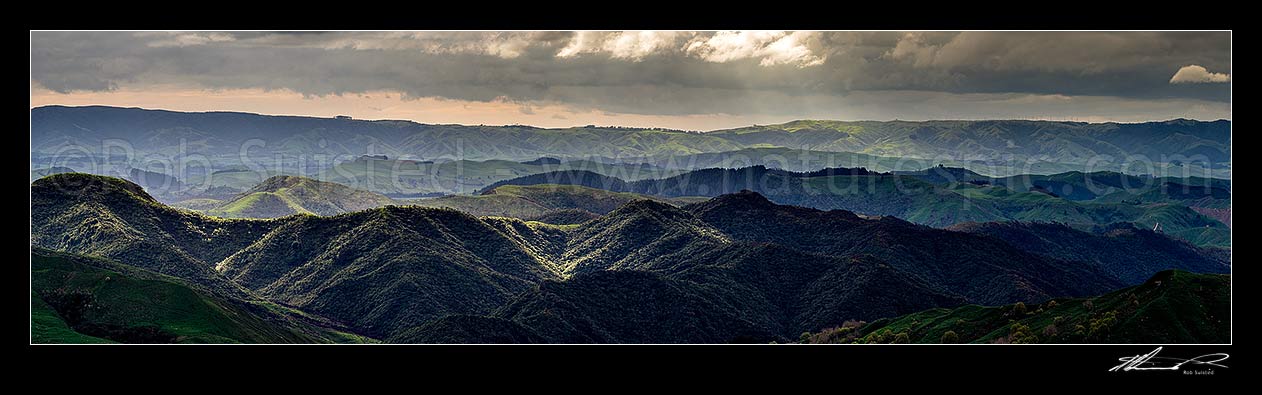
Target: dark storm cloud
{"x":662,"y":73}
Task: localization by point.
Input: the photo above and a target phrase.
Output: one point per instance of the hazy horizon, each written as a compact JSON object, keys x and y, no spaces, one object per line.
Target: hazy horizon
{"x":616,"y":125}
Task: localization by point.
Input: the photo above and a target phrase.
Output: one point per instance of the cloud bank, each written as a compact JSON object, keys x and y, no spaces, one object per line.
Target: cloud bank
{"x":779,"y":74}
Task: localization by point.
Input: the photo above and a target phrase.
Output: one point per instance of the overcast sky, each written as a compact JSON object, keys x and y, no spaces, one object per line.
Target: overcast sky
{"x":686,"y":80}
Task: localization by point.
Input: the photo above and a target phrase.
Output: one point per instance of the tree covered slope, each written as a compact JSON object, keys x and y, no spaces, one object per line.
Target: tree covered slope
{"x":116,"y":219}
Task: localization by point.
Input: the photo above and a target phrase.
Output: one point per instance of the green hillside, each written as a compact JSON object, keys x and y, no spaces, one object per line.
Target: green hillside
{"x":1171,"y":307}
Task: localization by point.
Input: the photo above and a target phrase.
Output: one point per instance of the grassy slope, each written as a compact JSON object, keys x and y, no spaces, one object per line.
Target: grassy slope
{"x":287,"y":195}
{"x":48,"y":328}
{"x":139,"y":306}
{"x":260,"y":205}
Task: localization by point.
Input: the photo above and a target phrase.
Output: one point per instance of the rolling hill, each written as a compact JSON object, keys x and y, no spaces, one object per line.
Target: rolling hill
{"x":280,"y":196}
{"x":932,"y":197}
{"x":1068,"y":142}
{"x":404,"y":178}
{"x":559,"y":204}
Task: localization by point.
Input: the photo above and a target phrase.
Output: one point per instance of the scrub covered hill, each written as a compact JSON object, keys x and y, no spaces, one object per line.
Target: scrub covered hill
{"x":384,"y":272}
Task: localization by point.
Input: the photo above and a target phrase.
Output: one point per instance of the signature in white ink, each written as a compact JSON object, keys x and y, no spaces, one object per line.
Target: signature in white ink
{"x":1151,"y":361}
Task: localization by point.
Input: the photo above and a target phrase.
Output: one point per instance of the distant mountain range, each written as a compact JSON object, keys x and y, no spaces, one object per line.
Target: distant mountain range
{"x":735,"y":268}
{"x":222,"y":135}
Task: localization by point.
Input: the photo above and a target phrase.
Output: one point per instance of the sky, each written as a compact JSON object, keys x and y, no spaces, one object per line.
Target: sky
{"x":670,"y":79}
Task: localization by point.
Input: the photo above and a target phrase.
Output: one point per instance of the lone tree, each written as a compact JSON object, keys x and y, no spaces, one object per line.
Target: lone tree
{"x":901,"y":338}
{"x":1020,"y":308}
{"x":950,"y":337}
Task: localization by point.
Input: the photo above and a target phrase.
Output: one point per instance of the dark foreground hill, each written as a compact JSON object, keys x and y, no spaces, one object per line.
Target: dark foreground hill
{"x":1171,"y":307}
{"x":735,"y":268}
{"x":81,"y":299}
{"x":113,"y":218}
{"x":388,"y":269}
